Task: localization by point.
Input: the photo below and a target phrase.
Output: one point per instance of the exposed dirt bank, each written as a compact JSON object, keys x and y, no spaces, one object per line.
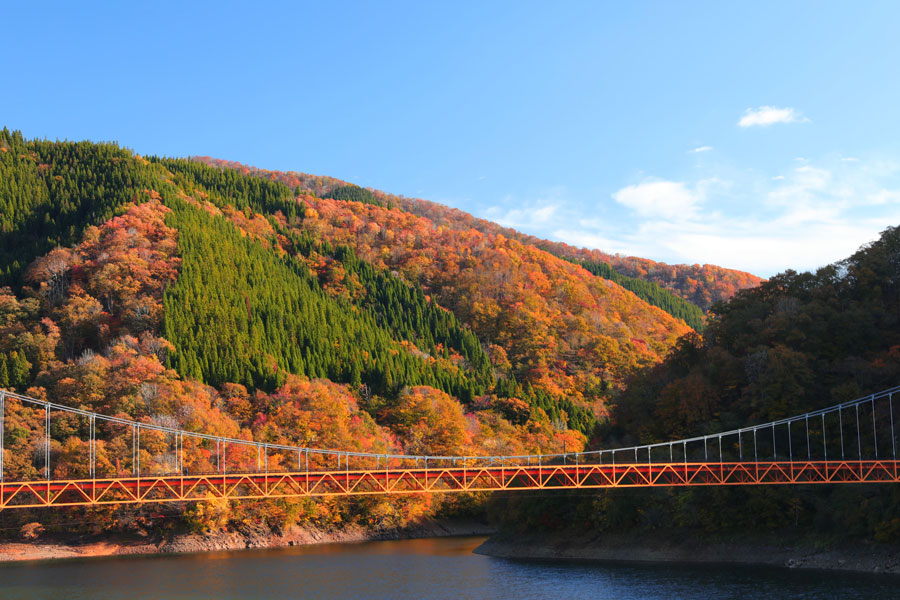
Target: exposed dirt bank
{"x":58,"y":547}
{"x":859,"y":556}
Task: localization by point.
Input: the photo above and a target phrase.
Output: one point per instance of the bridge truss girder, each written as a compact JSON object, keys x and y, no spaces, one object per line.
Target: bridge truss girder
{"x":243,"y":486}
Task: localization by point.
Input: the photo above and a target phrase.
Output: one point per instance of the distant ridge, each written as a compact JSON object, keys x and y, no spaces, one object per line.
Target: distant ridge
{"x":702,"y":285}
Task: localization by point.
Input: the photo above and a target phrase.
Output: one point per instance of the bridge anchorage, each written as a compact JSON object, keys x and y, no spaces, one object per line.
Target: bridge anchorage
{"x":852,"y":442}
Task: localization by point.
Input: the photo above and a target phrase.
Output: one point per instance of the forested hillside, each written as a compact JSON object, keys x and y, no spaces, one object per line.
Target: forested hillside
{"x":439,"y":352}
{"x":241,"y":314}
{"x":562,"y":329}
{"x":49,"y":192}
{"x":564,"y":339}
{"x":305,"y":310}
{"x":188,"y":295}
{"x":651,"y":293}
{"x":796,"y":343}
{"x":699,"y":285}
{"x":702,"y":285}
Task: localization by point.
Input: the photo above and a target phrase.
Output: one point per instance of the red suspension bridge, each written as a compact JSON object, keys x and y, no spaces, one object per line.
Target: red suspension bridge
{"x":852,"y":442}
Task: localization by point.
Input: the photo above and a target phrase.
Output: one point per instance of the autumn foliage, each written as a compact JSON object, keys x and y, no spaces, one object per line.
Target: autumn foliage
{"x":562,"y":329}
{"x":703,"y":285}
{"x":85,"y":332}
{"x":236,"y":302}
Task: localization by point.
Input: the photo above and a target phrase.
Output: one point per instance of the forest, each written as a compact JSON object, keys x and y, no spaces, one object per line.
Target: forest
{"x":649,"y":292}
{"x":700,"y":285}
{"x":177,"y":293}
{"x":49,"y":192}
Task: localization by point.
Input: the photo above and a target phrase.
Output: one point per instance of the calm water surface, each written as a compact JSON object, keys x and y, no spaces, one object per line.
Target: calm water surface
{"x":432,"y":568}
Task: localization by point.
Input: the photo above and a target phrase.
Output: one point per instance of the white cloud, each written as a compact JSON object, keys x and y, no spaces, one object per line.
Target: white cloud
{"x":700,"y":149}
{"x":882,"y":197}
{"x":759,"y":247}
{"x":530,"y":217}
{"x":533,"y":214}
{"x":769,"y":115}
{"x":587,"y":239}
{"x":804,"y":185}
{"x":814,"y":212}
{"x":817,"y":212}
{"x":659,"y":199}
{"x":544,"y":213}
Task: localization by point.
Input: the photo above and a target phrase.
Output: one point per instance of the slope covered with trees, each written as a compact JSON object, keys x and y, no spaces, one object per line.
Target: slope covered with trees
{"x":561,"y":329}
{"x":360,"y":297}
{"x":119,"y":269}
{"x":796,"y":343}
{"x":649,"y":292}
{"x":50,"y":191}
{"x":218,"y":300}
{"x":563,"y":351}
{"x":241,"y":314}
{"x":86,"y":331}
{"x":701,"y":285}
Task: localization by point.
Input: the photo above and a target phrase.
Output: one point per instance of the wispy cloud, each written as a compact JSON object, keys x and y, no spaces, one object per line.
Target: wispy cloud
{"x":700,"y":149}
{"x":764,"y":116}
{"x":659,"y":199}
{"x":812,"y":213}
{"x":533,"y":216}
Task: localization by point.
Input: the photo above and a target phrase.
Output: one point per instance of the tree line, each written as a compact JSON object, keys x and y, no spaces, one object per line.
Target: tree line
{"x":51,"y":191}
{"x":647,"y":291}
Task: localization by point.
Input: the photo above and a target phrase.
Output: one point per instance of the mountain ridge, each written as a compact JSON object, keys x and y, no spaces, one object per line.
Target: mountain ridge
{"x":703,"y":285}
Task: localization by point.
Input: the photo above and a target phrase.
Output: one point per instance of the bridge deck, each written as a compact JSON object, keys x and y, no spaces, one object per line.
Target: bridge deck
{"x":188,"y":488}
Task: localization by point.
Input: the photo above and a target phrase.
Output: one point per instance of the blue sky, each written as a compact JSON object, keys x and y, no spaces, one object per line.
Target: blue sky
{"x":760,"y":136}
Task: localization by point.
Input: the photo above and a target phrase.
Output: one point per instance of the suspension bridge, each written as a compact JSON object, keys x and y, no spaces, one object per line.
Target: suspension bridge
{"x":851,"y":442}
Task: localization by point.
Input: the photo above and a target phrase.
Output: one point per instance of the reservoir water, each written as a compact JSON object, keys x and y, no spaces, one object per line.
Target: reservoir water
{"x":430,"y":568}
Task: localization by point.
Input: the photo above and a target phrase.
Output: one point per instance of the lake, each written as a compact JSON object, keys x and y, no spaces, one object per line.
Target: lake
{"x":428,"y":568}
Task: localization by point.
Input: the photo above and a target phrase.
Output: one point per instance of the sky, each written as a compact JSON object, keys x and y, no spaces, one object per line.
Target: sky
{"x":759,"y":136}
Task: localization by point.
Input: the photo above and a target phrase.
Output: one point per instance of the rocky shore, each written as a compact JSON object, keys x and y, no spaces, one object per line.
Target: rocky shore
{"x":59,"y":547}
{"x":857,"y":556}
{"x":670,"y":547}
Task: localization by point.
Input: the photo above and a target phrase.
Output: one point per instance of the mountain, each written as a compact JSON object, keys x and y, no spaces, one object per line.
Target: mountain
{"x":702,"y":285}
{"x":50,"y":192}
{"x":699,"y":285}
{"x":184,"y":294}
{"x":797,"y":342}
{"x":585,"y":351}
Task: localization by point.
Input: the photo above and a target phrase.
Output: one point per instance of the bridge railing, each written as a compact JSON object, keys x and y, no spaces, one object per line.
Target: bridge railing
{"x":858,"y":429}
{"x":76,"y":443}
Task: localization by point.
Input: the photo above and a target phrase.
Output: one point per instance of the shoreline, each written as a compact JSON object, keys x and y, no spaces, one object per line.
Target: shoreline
{"x":861,"y":557}
{"x":59,"y":548}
